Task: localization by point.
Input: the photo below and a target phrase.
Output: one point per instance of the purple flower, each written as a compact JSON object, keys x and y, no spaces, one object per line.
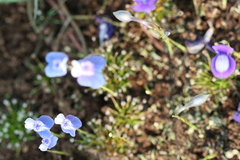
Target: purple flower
{"x":105,"y":30}
{"x":88,"y":71}
{"x":48,"y":143}
{"x":41,"y":125}
{"x":144,"y":5}
{"x":57,"y":64}
{"x":223,"y":65}
{"x":197,"y":45}
{"x":236,"y":115}
{"x":69,"y":124}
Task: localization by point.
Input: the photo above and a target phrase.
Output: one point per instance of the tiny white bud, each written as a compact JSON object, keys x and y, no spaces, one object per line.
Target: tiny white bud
{"x":195,"y":102}
{"x":123,"y":16}
{"x":199,"y":99}
{"x":6,"y":102}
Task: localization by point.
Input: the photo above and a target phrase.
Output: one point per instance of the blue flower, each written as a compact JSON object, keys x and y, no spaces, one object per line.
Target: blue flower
{"x":223,"y":65}
{"x":69,"y":124}
{"x":57,"y":64}
{"x":48,"y":143}
{"x":105,"y":30}
{"x":41,"y":125}
{"x":88,"y":71}
{"x":144,"y":5}
{"x":236,"y":115}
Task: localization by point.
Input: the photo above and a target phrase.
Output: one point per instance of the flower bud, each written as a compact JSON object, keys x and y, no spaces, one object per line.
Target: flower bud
{"x":123,"y":16}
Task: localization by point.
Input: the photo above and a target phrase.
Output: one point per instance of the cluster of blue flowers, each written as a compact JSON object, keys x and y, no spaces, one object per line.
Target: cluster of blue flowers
{"x":88,"y":71}
{"x":43,"y":124}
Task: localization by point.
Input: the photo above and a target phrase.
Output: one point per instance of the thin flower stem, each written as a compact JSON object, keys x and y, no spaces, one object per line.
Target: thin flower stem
{"x":183,"y":48}
{"x":82,"y":131}
{"x":169,"y":46}
{"x":30,"y":17}
{"x":57,"y":135}
{"x":59,"y":152}
{"x":83,"y":17}
{"x":10,"y":110}
{"x":101,"y":11}
{"x":108,"y":90}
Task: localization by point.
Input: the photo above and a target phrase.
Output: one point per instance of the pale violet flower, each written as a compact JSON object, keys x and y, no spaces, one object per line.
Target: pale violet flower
{"x":88,"y":71}
{"x":223,"y":65}
{"x":69,"y":124}
{"x":125,"y":16}
{"x":236,"y":115}
{"x":144,"y":5}
{"x":57,"y":64}
{"x":195,"y":102}
{"x":41,"y":125}
{"x":48,"y":143}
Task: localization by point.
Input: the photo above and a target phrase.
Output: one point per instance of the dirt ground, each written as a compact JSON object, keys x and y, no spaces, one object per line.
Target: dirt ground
{"x":20,"y":42}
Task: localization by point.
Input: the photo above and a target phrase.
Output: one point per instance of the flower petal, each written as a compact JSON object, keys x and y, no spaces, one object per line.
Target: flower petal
{"x":53,"y":143}
{"x":239,"y":107}
{"x":70,"y":131}
{"x":43,"y":147}
{"x":75,"y":121}
{"x":236,"y":117}
{"x":145,"y":1}
{"x":98,"y":61}
{"x":227,"y":73}
{"x":222,"y":63}
{"x":51,"y":72}
{"x":195,"y":46}
{"x":223,"y":49}
{"x":55,"y":55}
{"x":29,"y":123}
{"x":59,"y":119}
{"x":48,"y":121}
{"x":95,"y":81}
{"x":105,"y":31}
{"x":143,"y":7}
{"x":76,"y":69}
{"x":45,"y":134}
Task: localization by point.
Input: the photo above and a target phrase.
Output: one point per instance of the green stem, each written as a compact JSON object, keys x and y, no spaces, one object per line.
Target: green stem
{"x":57,"y":135}
{"x":10,"y":110}
{"x":183,"y":48}
{"x":31,"y":18}
{"x":108,"y":90}
{"x":83,"y":17}
{"x":169,"y":46}
{"x":59,"y":152}
{"x":82,"y":131}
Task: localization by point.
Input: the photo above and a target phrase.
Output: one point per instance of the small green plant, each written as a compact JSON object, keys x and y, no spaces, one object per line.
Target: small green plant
{"x":117,"y":72}
{"x":206,"y":83}
{"x":12,"y":130}
{"x":113,"y":133}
